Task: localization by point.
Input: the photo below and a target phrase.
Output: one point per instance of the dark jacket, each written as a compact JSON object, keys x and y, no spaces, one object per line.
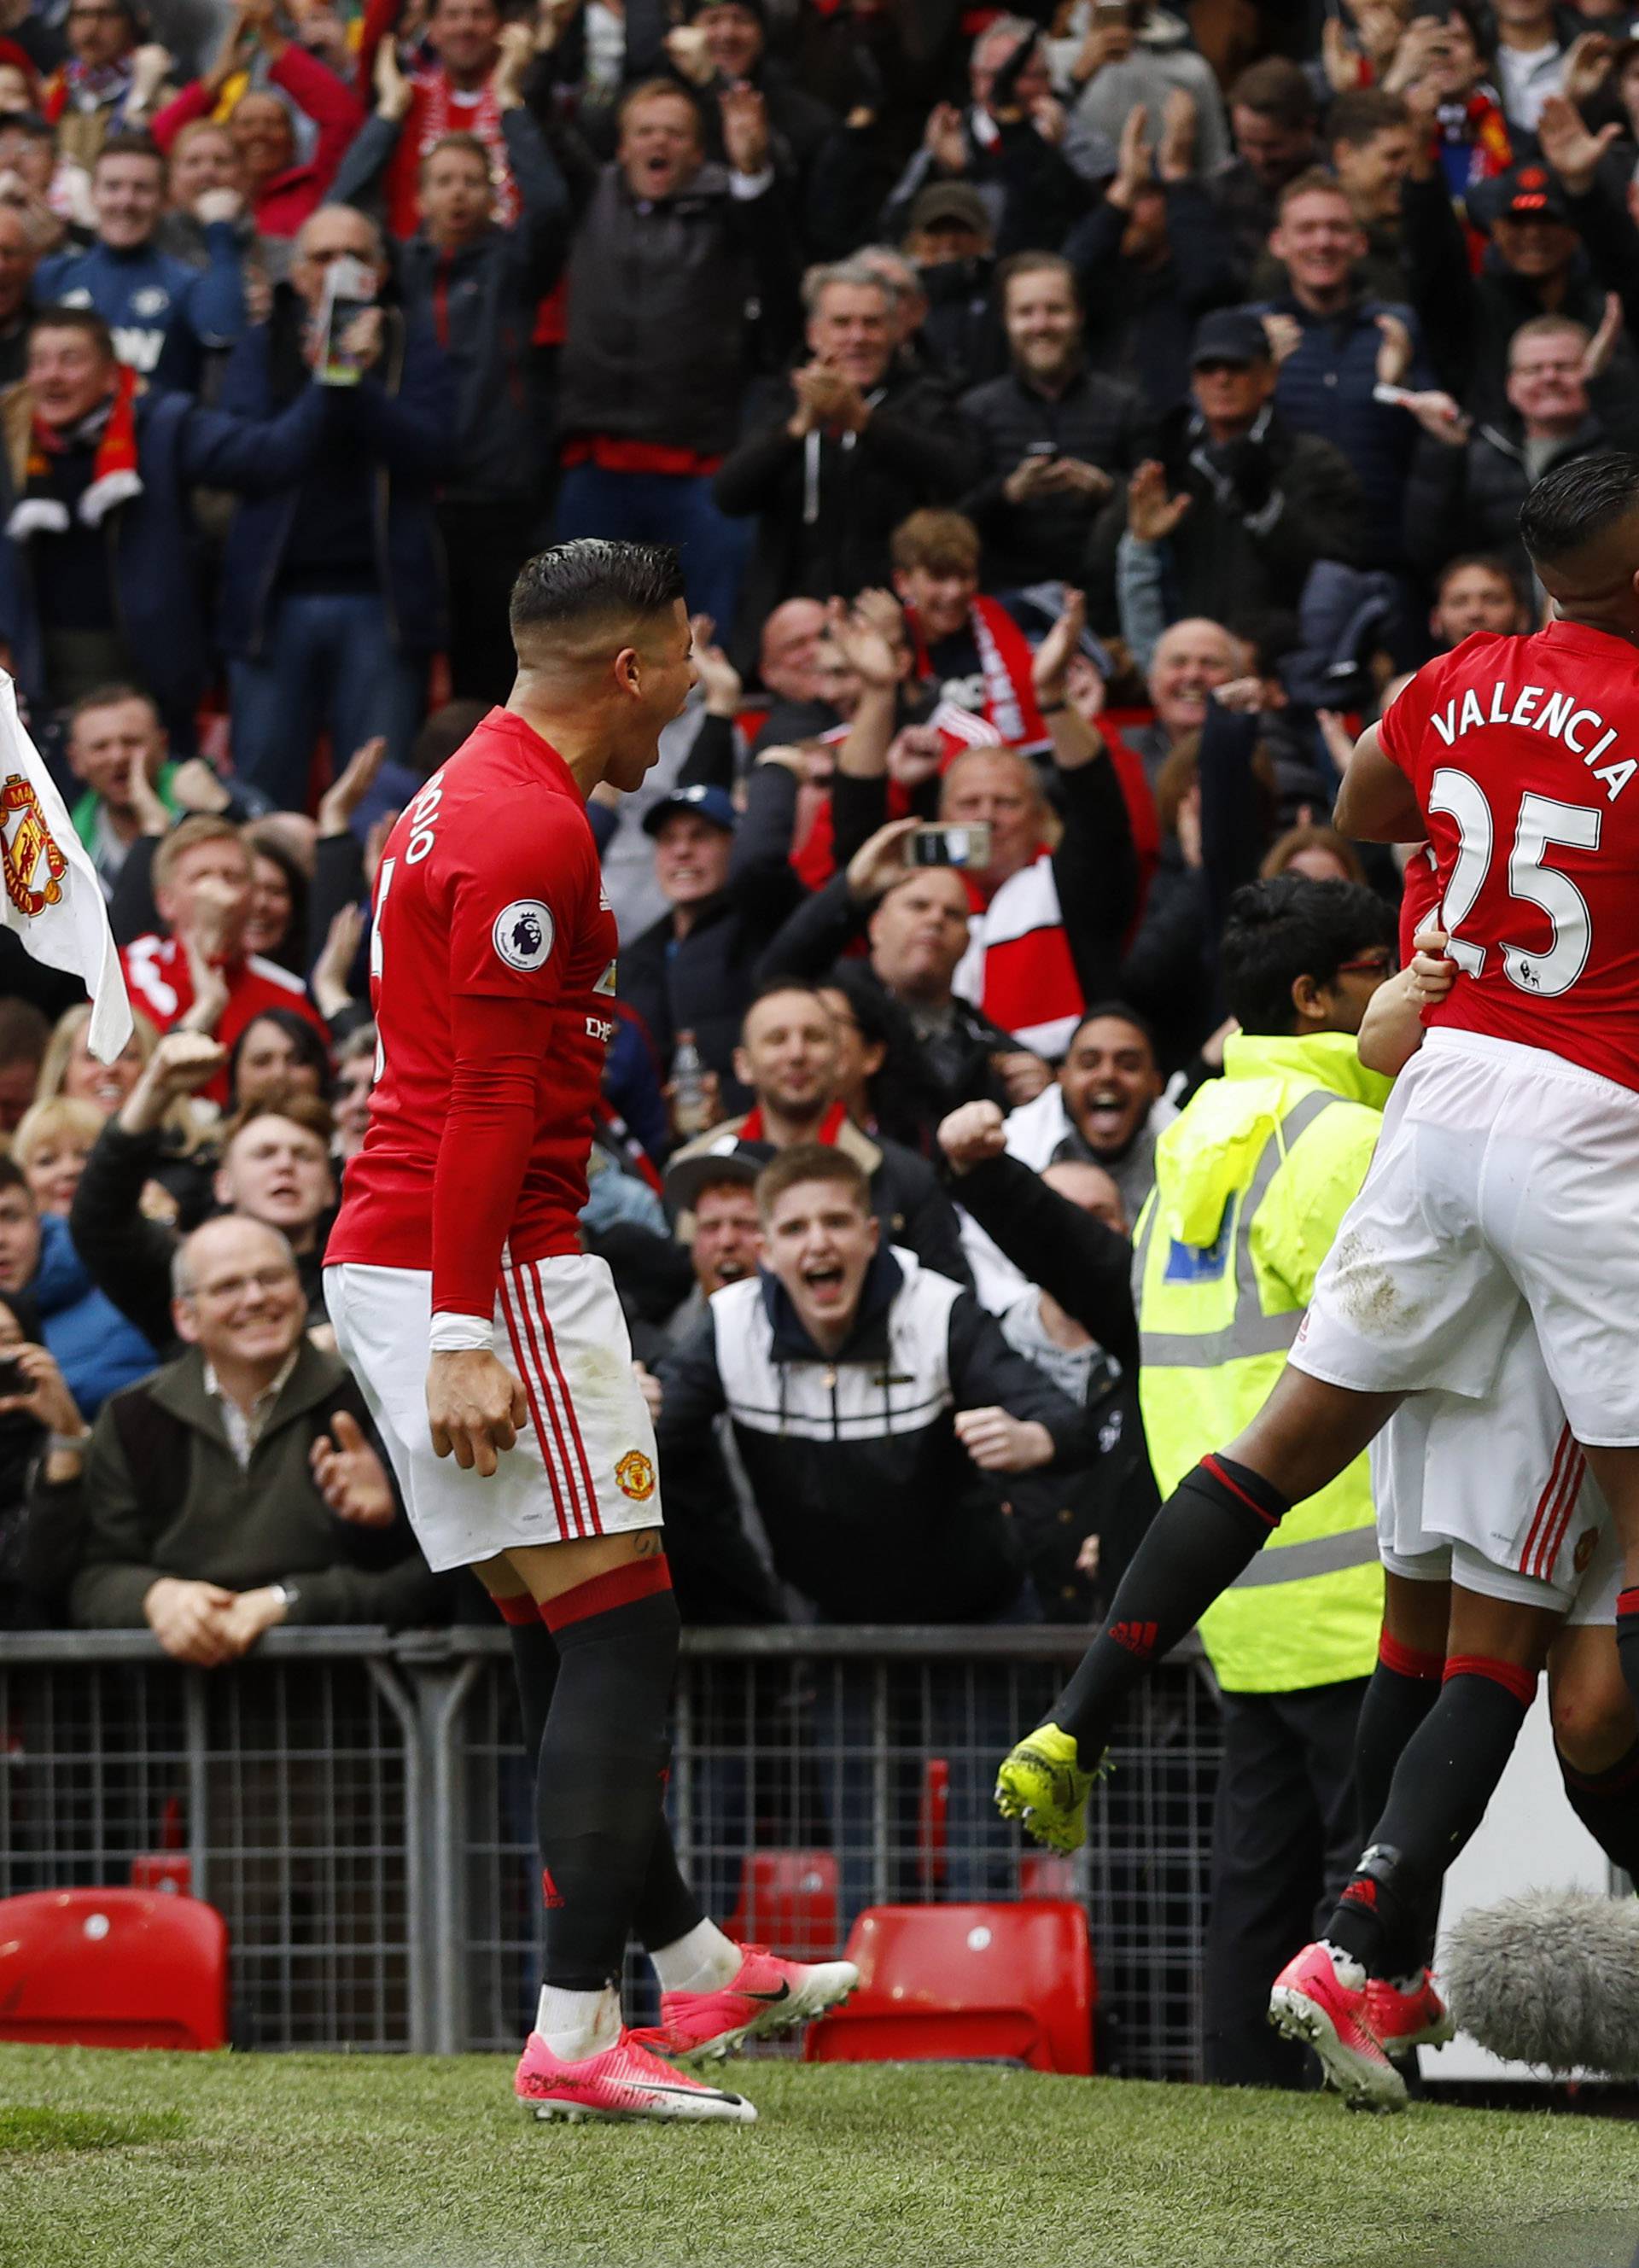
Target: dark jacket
{"x":1263,"y":510}
{"x":152,"y":546}
{"x":1087,"y":1269}
{"x":1141,"y":320}
{"x":1095,"y":419}
{"x":1468,"y":319}
{"x":480,"y":303}
{"x":825,"y":511}
{"x":127,"y":1256}
{"x":1326,"y":387}
{"x":703,"y":983}
{"x":1034,"y":194}
{"x":163,"y":1494}
{"x":1468,"y":499}
{"x":906,"y":1195}
{"x":656,"y":345}
{"x":955,"y":1067}
{"x":872,"y":1506}
{"x":399,"y":419}
{"x":964,"y":338}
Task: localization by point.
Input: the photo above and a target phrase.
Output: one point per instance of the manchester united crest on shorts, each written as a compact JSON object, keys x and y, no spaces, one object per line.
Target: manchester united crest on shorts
{"x":635,"y":1476}
{"x":522,"y":934}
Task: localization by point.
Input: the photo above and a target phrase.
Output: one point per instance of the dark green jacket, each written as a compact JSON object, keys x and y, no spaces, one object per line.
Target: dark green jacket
{"x":162,"y":1494}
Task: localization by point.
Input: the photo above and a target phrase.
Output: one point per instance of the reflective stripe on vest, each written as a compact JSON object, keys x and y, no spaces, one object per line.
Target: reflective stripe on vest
{"x":1251,"y":1331}
{"x":1322,"y":1555}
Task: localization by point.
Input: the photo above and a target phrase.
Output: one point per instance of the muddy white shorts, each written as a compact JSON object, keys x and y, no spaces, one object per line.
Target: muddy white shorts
{"x":1504,"y":1179}
{"x":1495,"y":1496}
{"x":584,"y":1464}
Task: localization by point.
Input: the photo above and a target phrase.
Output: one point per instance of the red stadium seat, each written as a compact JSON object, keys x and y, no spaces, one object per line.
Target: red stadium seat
{"x":113,"y":1969}
{"x":789,"y":1901}
{"x":965,"y":1983}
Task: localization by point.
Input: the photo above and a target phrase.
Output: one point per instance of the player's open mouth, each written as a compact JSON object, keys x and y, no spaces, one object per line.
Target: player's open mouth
{"x":1106,"y":1114}
{"x":824,"y":1281}
{"x":733,"y":1271}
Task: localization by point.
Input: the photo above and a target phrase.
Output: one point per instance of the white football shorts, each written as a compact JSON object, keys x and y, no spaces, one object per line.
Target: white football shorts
{"x":1505,"y":1179}
{"x":584,"y":1464}
{"x":1495,"y":1496}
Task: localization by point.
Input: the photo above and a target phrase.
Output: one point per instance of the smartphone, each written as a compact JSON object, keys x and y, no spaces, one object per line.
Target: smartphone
{"x":349,"y":288}
{"x":13,"y":1378}
{"x":1042,"y":449}
{"x":951,"y":846}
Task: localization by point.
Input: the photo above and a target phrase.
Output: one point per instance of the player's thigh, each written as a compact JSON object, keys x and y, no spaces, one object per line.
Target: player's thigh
{"x":1309,"y":1430}
{"x":1417,"y":1606}
{"x":1592,"y":1710}
{"x":1486,"y":1627}
{"x":547,"y":1570}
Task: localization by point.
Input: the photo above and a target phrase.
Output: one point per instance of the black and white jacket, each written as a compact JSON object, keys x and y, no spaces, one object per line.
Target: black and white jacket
{"x":872,"y":1507}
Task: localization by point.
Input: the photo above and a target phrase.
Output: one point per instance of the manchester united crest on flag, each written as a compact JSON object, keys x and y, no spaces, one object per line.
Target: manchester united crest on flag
{"x":34,"y":866}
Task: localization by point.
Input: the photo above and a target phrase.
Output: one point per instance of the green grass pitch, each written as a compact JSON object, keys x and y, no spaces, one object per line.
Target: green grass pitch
{"x":332,"y":2161}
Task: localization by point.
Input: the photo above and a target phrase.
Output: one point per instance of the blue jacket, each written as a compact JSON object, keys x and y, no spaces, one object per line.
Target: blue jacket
{"x":164,"y":315}
{"x":96,"y":1349}
{"x":1325,"y":388}
{"x":401,"y":417}
{"x":152,"y":551}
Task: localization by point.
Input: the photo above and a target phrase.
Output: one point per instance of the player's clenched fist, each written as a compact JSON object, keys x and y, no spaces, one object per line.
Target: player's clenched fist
{"x":476,"y":1408}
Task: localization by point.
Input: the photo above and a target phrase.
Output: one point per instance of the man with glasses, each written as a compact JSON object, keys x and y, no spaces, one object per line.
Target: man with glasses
{"x":238,"y":1487}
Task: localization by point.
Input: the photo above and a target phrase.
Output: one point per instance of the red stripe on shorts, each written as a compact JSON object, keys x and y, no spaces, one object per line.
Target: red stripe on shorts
{"x":1551,"y":1542}
{"x":1548,"y":1498}
{"x":569,"y":1404}
{"x":532,"y":1294}
{"x":529,"y":1373}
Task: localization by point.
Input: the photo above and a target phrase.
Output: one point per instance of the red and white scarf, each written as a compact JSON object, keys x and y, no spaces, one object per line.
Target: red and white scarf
{"x":439,"y":113}
{"x":1006,"y":661}
{"x":114,"y":477}
{"x":1018,"y":968}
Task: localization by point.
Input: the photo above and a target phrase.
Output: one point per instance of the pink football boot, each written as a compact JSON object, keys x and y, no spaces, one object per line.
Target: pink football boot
{"x":1405,"y":2021}
{"x":627,"y":2081}
{"x":1312,"y":2002}
{"x":767,"y":1995}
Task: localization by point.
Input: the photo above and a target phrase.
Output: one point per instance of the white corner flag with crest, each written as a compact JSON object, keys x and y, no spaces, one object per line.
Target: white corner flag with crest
{"x":53,"y":899}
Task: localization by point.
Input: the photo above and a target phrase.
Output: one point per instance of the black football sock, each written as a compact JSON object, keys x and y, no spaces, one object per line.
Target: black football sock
{"x":1402,"y":1689}
{"x":1208,"y":1530}
{"x":535,"y":1669}
{"x":1444,"y":1781}
{"x":1607,"y":1804}
{"x":1628,"y":1639}
{"x":603,"y":1765}
{"x":666,"y":1907}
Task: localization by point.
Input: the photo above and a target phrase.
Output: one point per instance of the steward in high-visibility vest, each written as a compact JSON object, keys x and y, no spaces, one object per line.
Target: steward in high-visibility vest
{"x":1252,"y":1183}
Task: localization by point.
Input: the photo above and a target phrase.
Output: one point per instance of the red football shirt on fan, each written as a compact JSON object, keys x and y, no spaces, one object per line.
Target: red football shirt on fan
{"x":1524,"y":752}
{"x":492,"y":972}
{"x":161,"y":984}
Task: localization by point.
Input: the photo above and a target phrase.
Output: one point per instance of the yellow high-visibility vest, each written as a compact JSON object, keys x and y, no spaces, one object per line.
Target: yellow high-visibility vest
{"x":1252,"y":1183}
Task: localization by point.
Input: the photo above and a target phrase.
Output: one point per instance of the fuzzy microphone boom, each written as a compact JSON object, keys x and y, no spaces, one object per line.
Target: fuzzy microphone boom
{"x":1550,"y":1978}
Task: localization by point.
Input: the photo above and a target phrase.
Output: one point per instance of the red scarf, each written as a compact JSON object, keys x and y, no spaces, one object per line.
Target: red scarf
{"x":115,"y":478}
{"x":827,"y":1130}
{"x":435,"y":113}
{"x":1006,"y":662}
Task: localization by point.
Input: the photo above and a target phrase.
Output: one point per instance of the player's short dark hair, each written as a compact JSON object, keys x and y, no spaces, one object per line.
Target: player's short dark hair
{"x":111,"y":695}
{"x":129,"y":145}
{"x":1573,"y":505}
{"x":572,"y":584}
{"x":1291,"y":927}
{"x":13,"y":1177}
{"x":811,"y":1162}
{"x":1489,"y":563}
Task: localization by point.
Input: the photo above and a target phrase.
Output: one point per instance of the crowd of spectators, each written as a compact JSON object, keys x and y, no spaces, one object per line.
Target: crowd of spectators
{"x":1075,"y":421}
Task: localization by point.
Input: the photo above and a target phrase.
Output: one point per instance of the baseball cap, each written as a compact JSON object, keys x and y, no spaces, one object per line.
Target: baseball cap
{"x":1526,"y":193}
{"x":711,"y":804}
{"x":950,"y":200}
{"x":1230,"y":335}
{"x":688,"y":1179}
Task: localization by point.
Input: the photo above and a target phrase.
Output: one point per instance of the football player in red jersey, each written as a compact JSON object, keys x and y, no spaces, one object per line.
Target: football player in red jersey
{"x":493,"y":1350}
{"x":1502,"y":1184}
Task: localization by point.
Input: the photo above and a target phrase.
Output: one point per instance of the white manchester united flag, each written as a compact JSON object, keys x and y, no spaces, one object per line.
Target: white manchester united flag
{"x":53,"y":899}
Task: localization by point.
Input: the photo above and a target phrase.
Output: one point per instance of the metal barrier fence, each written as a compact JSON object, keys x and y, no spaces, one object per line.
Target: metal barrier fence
{"x":357,"y":1806}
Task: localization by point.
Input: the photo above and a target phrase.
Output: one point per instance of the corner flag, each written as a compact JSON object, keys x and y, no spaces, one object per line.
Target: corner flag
{"x":52,"y":897}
